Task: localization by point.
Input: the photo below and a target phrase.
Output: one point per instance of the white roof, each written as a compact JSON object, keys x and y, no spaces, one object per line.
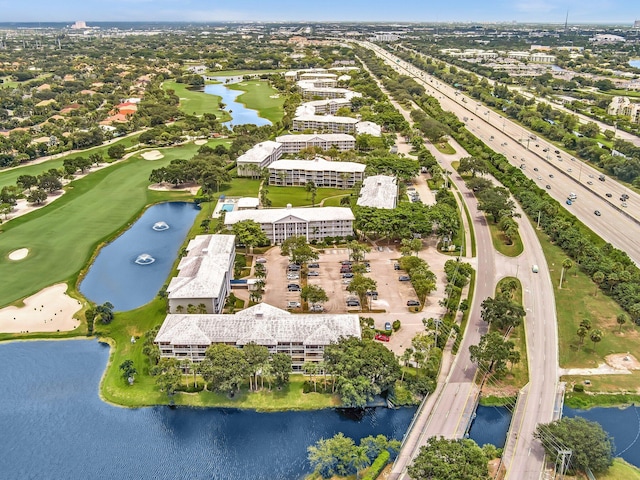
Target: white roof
{"x":305,"y":110}
{"x":326,"y":119}
{"x":343,"y":91}
{"x":345,"y":69}
{"x":318,"y":165}
{"x":201,"y":271}
{"x":308,"y":137}
{"x":261,"y":323}
{"x":344,"y":78}
{"x":378,"y":191}
{"x":369,"y":128}
{"x":319,"y":75}
{"x":259,"y":152}
{"x":248,"y":202}
{"x":273,"y":215}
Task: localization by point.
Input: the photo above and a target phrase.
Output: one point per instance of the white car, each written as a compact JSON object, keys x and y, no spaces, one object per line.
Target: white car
{"x":293,"y":276}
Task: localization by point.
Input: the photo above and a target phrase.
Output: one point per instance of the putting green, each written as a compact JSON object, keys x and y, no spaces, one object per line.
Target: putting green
{"x":62,"y":236}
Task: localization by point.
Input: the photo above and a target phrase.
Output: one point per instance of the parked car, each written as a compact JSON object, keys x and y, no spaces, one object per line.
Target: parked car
{"x":353,"y":303}
{"x":261,"y":260}
{"x":372,"y":293}
{"x":346,"y":262}
{"x":347,"y":275}
{"x":346,"y":281}
{"x":381,"y":337}
{"x":346,"y":269}
{"x":313,"y":273}
{"x":387,"y":326}
{"x":293,"y":287}
{"x":404,"y":278}
{"x":293,"y":304}
{"x":294,"y":268}
{"x":396,"y":266}
{"x":293,"y":276}
{"x":316,"y":308}
{"x":413,"y":303}
{"x":314,"y":265}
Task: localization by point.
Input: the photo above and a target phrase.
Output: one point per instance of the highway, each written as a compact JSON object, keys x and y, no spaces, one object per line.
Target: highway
{"x":616,"y":224}
{"x":450,"y":415}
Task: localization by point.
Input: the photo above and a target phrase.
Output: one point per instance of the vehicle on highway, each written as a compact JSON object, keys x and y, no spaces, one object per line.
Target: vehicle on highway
{"x":591,"y":175}
{"x":535,"y":169}
{"x":597,"y":213}
{"x":381,"y":337}
{"x":293,"y":287}
{"x":404,"y":278}
{"x":545,"y":149}
{"x":551,"y":175}
{"x":608,"y":195}
{"x":313,"y":273}
{"x":413,"y":303}
{"x":293,"y":304}
{"x":589,"y":182}
{"x":568,"y":202}
{"x":548,"y":187}
{"x":569,"y":170}
{"x":556,"y":152}
{"x":572,"y":196}
{"x":539,"y":177}
{"x":602,"y":178}
{"x":535,"y":269}
{"x":522,"y":166}
{"x":261,"y":260}
{"x":623,"y":204}
{"x":387,"y":326}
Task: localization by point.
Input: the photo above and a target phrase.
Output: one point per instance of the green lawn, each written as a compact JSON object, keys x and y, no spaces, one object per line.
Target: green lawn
{"x":241,"y":187}
{"x":196,"y":102}
{"x":500,"y":241}
{"x":576,"y":301}
{"x":621,"y":470}
{"x":296,"y":196}
{"x":259,"y":95}
{"x":9,"y":177}
{"x":445,"y":147}
{"x":63,"y":235}
{"x":334,"y":201}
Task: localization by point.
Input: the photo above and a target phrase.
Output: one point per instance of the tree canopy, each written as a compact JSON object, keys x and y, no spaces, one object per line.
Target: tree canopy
{"x":442,"y":459}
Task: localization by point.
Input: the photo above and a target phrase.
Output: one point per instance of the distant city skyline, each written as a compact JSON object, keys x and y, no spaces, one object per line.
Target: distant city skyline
{"x":522,"y":11}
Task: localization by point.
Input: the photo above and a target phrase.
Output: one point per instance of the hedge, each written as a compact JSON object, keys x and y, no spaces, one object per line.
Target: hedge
{"x":378,"y":464}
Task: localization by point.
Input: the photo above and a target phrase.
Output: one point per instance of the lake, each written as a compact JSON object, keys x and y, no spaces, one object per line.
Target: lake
{"x":55,"y":427}
{"x":635,"y":63}
{"x":115,"y":276}
{"x":240,"y":114}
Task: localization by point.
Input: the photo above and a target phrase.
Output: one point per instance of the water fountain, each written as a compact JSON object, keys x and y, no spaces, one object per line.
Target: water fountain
{"x":160,"y":226}
{"x":145,"y":259}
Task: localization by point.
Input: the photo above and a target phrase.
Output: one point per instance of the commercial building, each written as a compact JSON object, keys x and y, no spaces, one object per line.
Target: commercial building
{"x":258,"y":157}
{"x":623,"y":106}
{"x":325,"y":141}
{"x":301,"y":336}
{"x":379,"y":191}
{"x":319,"y":171}
{"x":204,"y":275}
{"x":278,"y":224}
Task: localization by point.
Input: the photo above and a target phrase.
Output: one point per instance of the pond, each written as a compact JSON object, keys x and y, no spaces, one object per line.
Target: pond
{"x":635,"y":63}
{"x":56,"y":427}
{"x":623,"y":424}
{"x":130,"y":271}
{"x":239,"y":113}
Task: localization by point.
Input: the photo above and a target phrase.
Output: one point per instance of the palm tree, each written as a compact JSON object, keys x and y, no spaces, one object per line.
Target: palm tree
{"x":202,"y":308}
{"x":360,"y":460}
{"x":596,"y":336}
{"x":582,"y":332}
{"x":598,"y":278}
{"x":566,"y":265}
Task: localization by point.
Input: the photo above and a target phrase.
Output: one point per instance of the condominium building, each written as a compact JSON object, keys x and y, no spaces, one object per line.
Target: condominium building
{"x":278,"y":224}
{"x":323,"y":107}
{"x":301,"y":336}
{"x":624,"y":106}
{"x":318,"y":83}
{"x":327,"y":123}
{"x":317,"y":76}
{"x":258,"y":157}
{"x":379,"y":191}
{"x":539,"y":57}
{"x":325,"y":141}
{"x":320,"y":92}
{"x":319,"y":171}
{"x":204,"y":275}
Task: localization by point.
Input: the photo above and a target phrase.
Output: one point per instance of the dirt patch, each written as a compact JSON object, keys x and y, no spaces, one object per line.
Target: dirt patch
{"x":168,"y":187}
{"x":152,"y":155}
{"x":200,"y":142}
{"x":623,"y":361}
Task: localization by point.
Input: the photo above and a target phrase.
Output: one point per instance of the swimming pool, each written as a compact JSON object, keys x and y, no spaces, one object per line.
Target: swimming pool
{"x":227,"y":207}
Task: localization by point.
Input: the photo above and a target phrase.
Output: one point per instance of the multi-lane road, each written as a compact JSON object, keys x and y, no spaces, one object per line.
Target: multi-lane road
{"x":448,"y":417}
{"x":616,"y":224}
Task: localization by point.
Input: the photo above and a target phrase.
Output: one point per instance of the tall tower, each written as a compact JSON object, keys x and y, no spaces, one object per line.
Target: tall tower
{"x":566,"y":23}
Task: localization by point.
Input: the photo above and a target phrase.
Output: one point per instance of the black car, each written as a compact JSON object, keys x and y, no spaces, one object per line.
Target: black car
{"x":551,"y":175}
{"x":548,"y":187}
{"x":535,"y":169}
{"x":314,"y":265}
{"x":293,"y":287}
{"x":353,"y":303}
{"x":413,"y":303}
{"x":294,"y":268}
{"x":372,"y":293}
{"x":396,"y":266}
{"x":597,"y":213}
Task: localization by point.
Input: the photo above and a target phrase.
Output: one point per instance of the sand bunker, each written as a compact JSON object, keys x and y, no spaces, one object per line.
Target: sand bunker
{"x":200,"y":142}
{"x":274,"y":96}
{"x":49,"y":310}
{"x":19,"y":254}
{"x":152,"y":155}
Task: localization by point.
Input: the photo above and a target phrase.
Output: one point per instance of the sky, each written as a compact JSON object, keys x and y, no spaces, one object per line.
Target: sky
{"x":523,"y":11}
